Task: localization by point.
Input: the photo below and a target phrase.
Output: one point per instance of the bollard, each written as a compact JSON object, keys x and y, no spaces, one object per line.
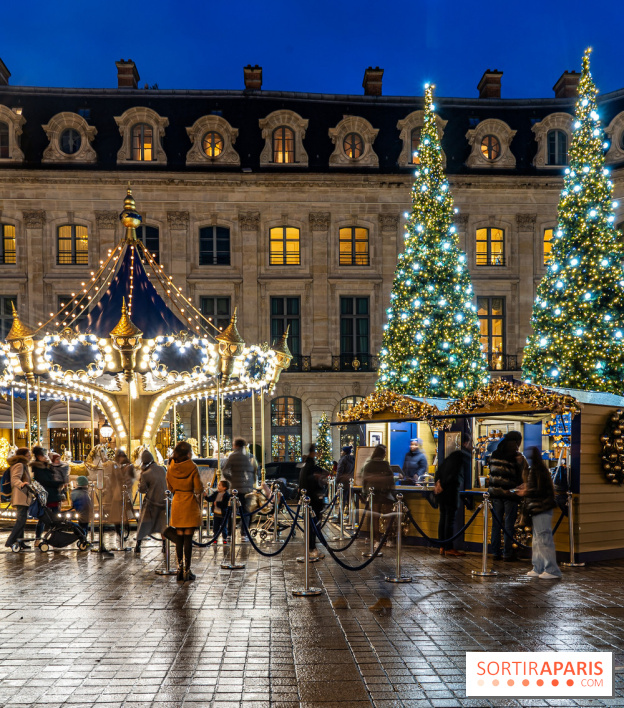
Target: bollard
{"x":306,"y":590}
{"x":201,"y":515}
{"x":167,"y":569}
{"x":572,"y":562}
{"x":277,"y":495}
{"x":399,"y":577}
{"x":349,"y":525}
{"x":486,"y":514}
{"x":92,"y":523}
{"x":371,"y":496}
{"x":342,"y":536}
{"x":233,"y":565}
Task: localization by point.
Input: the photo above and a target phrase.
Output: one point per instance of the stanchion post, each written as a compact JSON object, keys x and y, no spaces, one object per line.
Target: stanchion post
{"x":484,"y":559}
{"x":167,"y":569}
{"x":201,"y":502}
{"x":277,"y":496}
{"x":342,"y":536}
{"x":233,"y":565}
{"x":123,"y":513}
{"x":399,"y":577}
{"x":306,"y":590}
{"x":371,"y":516}
{"x":572,"y":563}
{"x":92,"y":524}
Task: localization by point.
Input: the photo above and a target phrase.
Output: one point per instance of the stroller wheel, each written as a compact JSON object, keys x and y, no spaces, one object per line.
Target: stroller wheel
{"x":83,"y":545}
{"x":254,"y":532}
{"x":16,"y":548}
{"x":44,"y":547}
{"x":263,"y":535}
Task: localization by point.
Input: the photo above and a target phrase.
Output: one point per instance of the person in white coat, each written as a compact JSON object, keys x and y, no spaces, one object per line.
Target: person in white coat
{"x":20,"y":498}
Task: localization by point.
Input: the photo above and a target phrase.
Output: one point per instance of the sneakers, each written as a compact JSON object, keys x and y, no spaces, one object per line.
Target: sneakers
{"x":225,"y":541}
{"x":315,"y":555}
{"x":533,"y":574}
{"x":549,"y":576}
{"x":441,"y":551}
{"x":453,"y":552}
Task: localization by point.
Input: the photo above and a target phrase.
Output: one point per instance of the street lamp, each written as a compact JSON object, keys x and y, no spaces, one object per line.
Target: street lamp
{"x":106,"y":430}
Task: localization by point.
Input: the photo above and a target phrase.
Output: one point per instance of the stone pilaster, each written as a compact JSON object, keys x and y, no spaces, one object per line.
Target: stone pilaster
{"x":525,"y":296}
{"x":253,"y":310}
{"x":34,"y":222}
{"x":320,"y":252}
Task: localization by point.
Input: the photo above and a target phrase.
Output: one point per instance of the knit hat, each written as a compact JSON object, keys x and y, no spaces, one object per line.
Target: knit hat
{"x":82,"y":481}
{"x":347,"y":449}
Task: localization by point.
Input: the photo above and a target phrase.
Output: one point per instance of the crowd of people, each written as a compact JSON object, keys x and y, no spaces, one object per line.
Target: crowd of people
{"x":512,"y":480}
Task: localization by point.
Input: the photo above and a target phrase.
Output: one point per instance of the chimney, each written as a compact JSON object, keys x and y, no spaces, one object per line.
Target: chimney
{"x":127,"y":74}
{"x":490,"y":84}
{"x":4,"y":74}
{"x":253,"y":77}
{"x":567,"y":85}
{"x":372,"y":81}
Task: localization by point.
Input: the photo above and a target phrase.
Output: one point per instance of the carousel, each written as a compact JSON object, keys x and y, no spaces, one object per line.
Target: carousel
{"x":142,"y":349}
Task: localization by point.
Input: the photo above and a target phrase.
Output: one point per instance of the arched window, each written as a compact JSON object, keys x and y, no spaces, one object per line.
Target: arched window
{"x":4,"y":140}
{"x":490,"y":147}
{"x":490,"y":247}
{"x":353,"y":145}
{"x":353,"y":243}
{"x":286,"y":429}
{"x":142,"y":142}
{"x":547,"y":244}
{"x":150,"y":237}
{"x":557,"y":147}
{"x":284,"y":246}
{"x":415,"y":142}
{"x":73,"y":245}
{"x":7,"y":256}
{"x":70,"y":141}
{"x":283,"y":144}
{"x":351,"y":434}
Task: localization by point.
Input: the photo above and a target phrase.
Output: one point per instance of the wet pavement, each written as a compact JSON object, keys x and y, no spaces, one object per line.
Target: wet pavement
{"x":78,"y":630}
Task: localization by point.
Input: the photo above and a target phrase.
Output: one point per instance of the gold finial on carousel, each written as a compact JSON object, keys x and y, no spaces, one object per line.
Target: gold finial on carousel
{"x":130,"y":217}
{"x":283,"y":354}
{"x":126,"y":339}
{"x":231,"y":346}
{"x":18,"y":329}
{"x":125,"y":327}
{"x":20,"y":338}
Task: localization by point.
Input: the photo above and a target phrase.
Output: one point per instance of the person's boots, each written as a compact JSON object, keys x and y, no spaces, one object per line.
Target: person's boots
{"x":180,"y":575}
{"x":137,"y":548}
{"x":188,"y":576}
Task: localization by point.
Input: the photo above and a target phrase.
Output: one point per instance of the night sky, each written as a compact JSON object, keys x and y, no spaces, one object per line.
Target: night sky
{"x":317,"y":46}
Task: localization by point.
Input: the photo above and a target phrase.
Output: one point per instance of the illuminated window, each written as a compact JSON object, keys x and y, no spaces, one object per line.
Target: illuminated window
{"x":490,"y":247}
{"x":212,"y":144}
{"x":73,"y":245}
{"x":548,"y":237}
{"x":7,"y":257}
{"x":353,"y":246}
{"x":6,"y":314}
{"x":284,"y":246}
{"x":286,"y":429}
{"x":416,"y":133}
{"x":557,"y":147}
{"x":142,"y":142}
{"x":214,"y":245}
{"x":490,"y":147}
{"x":71,"y":314}
{"x":217,"y":310}
{"x":351,"y":434}
{"x":70,"y":141}
{"x":491,"y":311}
{"x":283,"y":145}
{"x":4,"y":140}
{"x":150,"y":237}
{"x":353,"y":145}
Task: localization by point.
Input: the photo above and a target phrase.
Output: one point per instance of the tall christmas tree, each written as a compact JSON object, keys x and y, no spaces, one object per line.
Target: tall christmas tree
{"x":324,"y":443}
{"x":578,"y":315}
{"x":431,"y":341}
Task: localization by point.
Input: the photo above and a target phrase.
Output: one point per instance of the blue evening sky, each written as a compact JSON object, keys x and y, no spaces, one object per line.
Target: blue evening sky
{"x":319,"y":46}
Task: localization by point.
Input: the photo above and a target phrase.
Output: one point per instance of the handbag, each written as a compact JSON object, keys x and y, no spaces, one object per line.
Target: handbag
{"x":438,"y":487}
{"x":170,"y":534}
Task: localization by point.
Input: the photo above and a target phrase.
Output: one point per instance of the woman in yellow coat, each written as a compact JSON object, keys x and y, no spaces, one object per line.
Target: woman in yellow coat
{"x":184,"y":481}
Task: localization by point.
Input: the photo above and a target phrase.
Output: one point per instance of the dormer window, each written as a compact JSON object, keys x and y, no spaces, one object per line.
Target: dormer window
{"x":415,"y":140}
{"x":353,"y":138}
{"x":283,"y":145}
{"x":553,"y":135}
{"x":11,"y":123}
{"x":490,"y":144}
{"x":142,"y":130}
{"x":142,"y":142}
{"x":213,"y":141}
{"x":70,"y":139}
{"x":283,"y":132}
{"x":4,"y":140}
{"x":557,"y":147}
{"x":411,"y":132}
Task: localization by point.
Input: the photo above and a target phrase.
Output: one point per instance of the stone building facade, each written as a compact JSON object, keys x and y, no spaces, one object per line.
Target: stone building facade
{"x":288,"y":206}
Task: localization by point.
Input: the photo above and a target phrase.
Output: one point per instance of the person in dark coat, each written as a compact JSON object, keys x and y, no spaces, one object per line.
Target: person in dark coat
{"x":507,"y":466}
{"x":20,"y":498}
{"x":220,"y":500}
{"x":538,"y":492}
{"x":81,"y":502}
{"x":450,"y":474}
{"x":43,"y":473}
{"x":415,"y":465}
{"x":153,"y":485}
{"x":313,"y":479}
{"x":377,"y":474}
{"x":344,"y":471}
{"x":239,"y":471}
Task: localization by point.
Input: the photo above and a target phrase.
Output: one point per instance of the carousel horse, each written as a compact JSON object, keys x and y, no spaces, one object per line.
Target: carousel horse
{"x":97,"y":457}
{"x":137,"y":452}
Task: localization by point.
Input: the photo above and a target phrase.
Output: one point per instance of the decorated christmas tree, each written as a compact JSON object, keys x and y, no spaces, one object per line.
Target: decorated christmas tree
{"x":431,"y":342}
{"x":179,"y":429}
{"x":578,"y":314}
{"x":324,"y":443}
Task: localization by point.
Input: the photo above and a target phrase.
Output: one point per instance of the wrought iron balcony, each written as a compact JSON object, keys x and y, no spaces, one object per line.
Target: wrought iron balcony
{"x":502,"y":362}
{"x":298,"y":363}
{"x":492,"y":259}
{"x":355,"y":362}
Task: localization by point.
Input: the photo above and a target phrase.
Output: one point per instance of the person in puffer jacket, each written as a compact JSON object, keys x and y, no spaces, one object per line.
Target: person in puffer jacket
{"x":538,"y":492}
{"x":507,"y":466}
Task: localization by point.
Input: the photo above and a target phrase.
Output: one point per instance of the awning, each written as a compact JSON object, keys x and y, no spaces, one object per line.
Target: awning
{"x":5,"y":415}
{"x":79,"y":414}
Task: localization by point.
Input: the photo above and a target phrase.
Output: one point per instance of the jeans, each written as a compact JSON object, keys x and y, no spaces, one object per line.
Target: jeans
{"x":446,"y":523}
{"x":506,"y":510}
{"x":218,"y":524}
{"x":17,"y":534}
{"x":544,"y":556}
{"x":315,"y":513}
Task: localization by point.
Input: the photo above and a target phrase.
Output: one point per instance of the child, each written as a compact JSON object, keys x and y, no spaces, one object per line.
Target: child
{"x":81,"y":502}
{"x":220,"y":500}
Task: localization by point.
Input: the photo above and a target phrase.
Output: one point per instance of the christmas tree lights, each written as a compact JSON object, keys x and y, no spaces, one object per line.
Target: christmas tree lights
{"x":431,"y":341}
{"x":324,"y":443}
{"x":578,"y":314}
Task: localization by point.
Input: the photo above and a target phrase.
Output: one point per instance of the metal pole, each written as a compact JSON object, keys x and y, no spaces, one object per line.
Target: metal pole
{"x":222,"y":418}
{"x":27,"y":414}
{"x":399,"y":577}
{"x":263,"y":475}
{"x":129,"y":420}
{"x":253,"y":424}
{"x":233,"y":565}
{"x":218,"y":430}
{"x":167,"y":569}
{"x":207,"y":449}
{"x":101,"y":519}
{"x":201,"y":506}
{"x":39,"y":429}
{"x":572,"y":563}
{"x":342,"y":536}
{"x":484,"y":559}
{"x":306,"y":589}
{"x":69,"y":440}
{"x":277,"y":496}
{"x":123,"y":513}
{"x":371,"y":497}
{"x":92,"y":424}
{"x":198,"y":412}
{"x":92,"y":524}
{"x":175,"y":424}
{"x":12,"y":417}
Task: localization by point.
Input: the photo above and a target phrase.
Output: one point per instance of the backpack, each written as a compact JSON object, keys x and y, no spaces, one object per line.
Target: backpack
{"x":5,"y":485}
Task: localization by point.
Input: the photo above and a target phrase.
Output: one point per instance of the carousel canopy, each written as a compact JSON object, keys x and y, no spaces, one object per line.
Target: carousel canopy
{"x":5,"y":415}
{"x":79,"y":415}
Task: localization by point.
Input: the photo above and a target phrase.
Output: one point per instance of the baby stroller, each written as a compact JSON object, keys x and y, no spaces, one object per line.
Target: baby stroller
{"x":264,"y":520}
{"x":59,"y":533}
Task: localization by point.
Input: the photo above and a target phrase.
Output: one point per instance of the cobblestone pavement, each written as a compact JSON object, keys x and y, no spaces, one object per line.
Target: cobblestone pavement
{"x":78,"y":630}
